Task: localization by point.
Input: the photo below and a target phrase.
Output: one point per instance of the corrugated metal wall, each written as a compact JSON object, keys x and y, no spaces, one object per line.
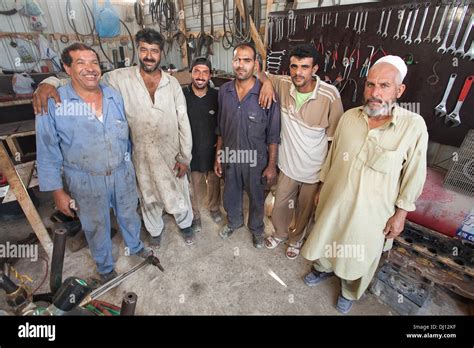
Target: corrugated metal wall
{"x":56,"y":18}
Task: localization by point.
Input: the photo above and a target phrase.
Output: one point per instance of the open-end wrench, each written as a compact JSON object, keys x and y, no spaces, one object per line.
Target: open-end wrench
{"x":460,"y":50}
{"x":437,"y":38}
{"x":386,"y":23}
{"x":418,"y":38}
{"x":453,"y":117}
{"x":428,"y":37}
{"x":277,"y":52}
{"x":408,"y":41}
{"x":401,"y":14}
{"x":405,"y":32}
{"x":442,"y":48}
{"x":440,"y":109}
{"x":452,"y":48}
{"x":470,"y":54}
{"x":355,"y":22}
{"x":365,"y":20}
{"x":360,"y":23}
{"x":379,"y":32}
{"x":348,"y":20}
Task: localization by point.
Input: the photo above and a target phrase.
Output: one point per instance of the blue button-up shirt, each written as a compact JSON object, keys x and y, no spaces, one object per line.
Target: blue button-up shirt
{"x":70,"y":135}
{"x":244,"y":125}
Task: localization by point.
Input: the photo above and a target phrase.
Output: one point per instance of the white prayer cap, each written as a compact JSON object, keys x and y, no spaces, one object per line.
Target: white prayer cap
{"x":397,"y":62}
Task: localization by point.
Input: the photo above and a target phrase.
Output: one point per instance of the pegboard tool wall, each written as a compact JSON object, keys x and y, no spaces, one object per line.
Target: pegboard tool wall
{"x":420,"y":95}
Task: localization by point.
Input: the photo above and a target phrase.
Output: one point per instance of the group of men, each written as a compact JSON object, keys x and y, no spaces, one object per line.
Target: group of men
{"x":361,"y":170}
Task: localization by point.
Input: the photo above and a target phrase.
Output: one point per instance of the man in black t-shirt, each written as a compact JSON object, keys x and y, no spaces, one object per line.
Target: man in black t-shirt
{"x":201,"y":101}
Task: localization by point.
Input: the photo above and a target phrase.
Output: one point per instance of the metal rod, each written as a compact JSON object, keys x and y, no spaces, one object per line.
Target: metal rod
{"x":57,"y":262}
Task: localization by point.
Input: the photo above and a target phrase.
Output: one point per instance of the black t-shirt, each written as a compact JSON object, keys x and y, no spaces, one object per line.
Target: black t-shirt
{"x":202,"y":113}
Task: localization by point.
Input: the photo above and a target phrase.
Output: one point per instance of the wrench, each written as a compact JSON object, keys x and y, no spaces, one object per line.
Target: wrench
{"x":355,"y":22}
{"x":365,"y":20}
{"x":381,"y":21}
{"x":418,"y":38}
{"x":401,"y":14}
{"x":470,"y":53}
{"x":454,"y":115}
{"x":437,"y":38}
{"x":460,"y":50}
{"x":360,"y":23}
{"x":404,"y":36}
{"x":277,"y":52}
{"x":348,"y":20}
{"x":270,"y":31}
{"x":388,"y":21}
{"x":452,"y":48}
{"x":428,"y":37}
{"x":440,"y":109}
{"x":442,"y":48}
{"x":408,"y":41}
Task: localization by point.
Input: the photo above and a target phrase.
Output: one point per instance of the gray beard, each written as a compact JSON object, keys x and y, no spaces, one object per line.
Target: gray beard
{"x":385,"y":111}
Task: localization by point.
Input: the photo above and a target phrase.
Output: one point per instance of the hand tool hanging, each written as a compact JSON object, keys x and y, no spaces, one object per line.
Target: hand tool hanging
{"x":453,"y":117}
{"x":204,"y":40}
{"x":228,"y":35}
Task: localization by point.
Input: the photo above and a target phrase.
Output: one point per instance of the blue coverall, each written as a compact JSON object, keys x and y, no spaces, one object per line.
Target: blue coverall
{"x":98,"y":170}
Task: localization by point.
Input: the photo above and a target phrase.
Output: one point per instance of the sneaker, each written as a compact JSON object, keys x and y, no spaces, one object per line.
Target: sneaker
{"x":145,"y":252}
{"x":188,"y":235}
{"x":104,"y":278}
{"x":258,"y":241}
{"x":314,"y":277}
{"x":343,"y":304}
{"x":216,"y":216}
{"x":226,"y":232}
{"x":196,"y":226}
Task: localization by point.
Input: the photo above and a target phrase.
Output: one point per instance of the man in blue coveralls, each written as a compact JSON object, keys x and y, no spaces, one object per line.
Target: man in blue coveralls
{"x":87,"y":136}
{"x":247,"y":143}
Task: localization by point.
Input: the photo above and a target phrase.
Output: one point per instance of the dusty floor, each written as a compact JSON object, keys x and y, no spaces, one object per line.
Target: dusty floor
{"x":213,"y":276}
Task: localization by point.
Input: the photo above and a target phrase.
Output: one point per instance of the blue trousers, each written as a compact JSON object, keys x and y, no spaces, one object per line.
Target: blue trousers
{"x":94,"y":195}
{"x":239,"y":178}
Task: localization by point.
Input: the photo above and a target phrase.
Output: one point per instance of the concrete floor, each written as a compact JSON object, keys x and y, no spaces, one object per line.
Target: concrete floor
{"x":213,"y":276}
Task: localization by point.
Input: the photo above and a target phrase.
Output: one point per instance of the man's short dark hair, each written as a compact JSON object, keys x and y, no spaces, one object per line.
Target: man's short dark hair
{"x":306,"y":51}
{"x":150,"y":36}
{"x":247,"y":45}
{"x":66,"y":54}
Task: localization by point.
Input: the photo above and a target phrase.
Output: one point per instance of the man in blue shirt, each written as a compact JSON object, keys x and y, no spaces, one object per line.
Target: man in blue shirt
{"x":87,"y":137}
{"x":247,"y":143}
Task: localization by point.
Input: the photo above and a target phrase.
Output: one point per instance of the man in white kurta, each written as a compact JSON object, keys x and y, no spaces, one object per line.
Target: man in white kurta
{"x":374,"y":172}
{"x":160,"y":133}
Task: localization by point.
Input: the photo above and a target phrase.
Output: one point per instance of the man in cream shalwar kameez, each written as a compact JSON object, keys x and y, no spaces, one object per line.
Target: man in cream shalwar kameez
{"x":374,"y":172}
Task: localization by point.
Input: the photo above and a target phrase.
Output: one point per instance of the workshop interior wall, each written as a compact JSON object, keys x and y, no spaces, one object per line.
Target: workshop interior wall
{"x":55,"y":16}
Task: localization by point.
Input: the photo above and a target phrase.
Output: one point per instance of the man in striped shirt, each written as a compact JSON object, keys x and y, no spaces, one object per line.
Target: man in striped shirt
{"x":310,"y":111}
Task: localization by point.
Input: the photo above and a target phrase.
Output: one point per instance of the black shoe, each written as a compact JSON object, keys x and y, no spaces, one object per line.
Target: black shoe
{"x":104,"y":278}
{"x":258,"y":241}
{"x":196,"y":226}
{"x":188,"y":235}
{"x":226,"y":232}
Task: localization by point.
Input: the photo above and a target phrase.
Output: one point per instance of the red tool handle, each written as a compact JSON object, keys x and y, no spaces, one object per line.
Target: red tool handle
{"x":465,"y":89}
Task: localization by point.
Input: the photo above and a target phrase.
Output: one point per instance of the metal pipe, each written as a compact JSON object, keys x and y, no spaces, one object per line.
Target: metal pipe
{"x":150,"y":260}
{"x":57,"y":262}
{"x":129,"y":304}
